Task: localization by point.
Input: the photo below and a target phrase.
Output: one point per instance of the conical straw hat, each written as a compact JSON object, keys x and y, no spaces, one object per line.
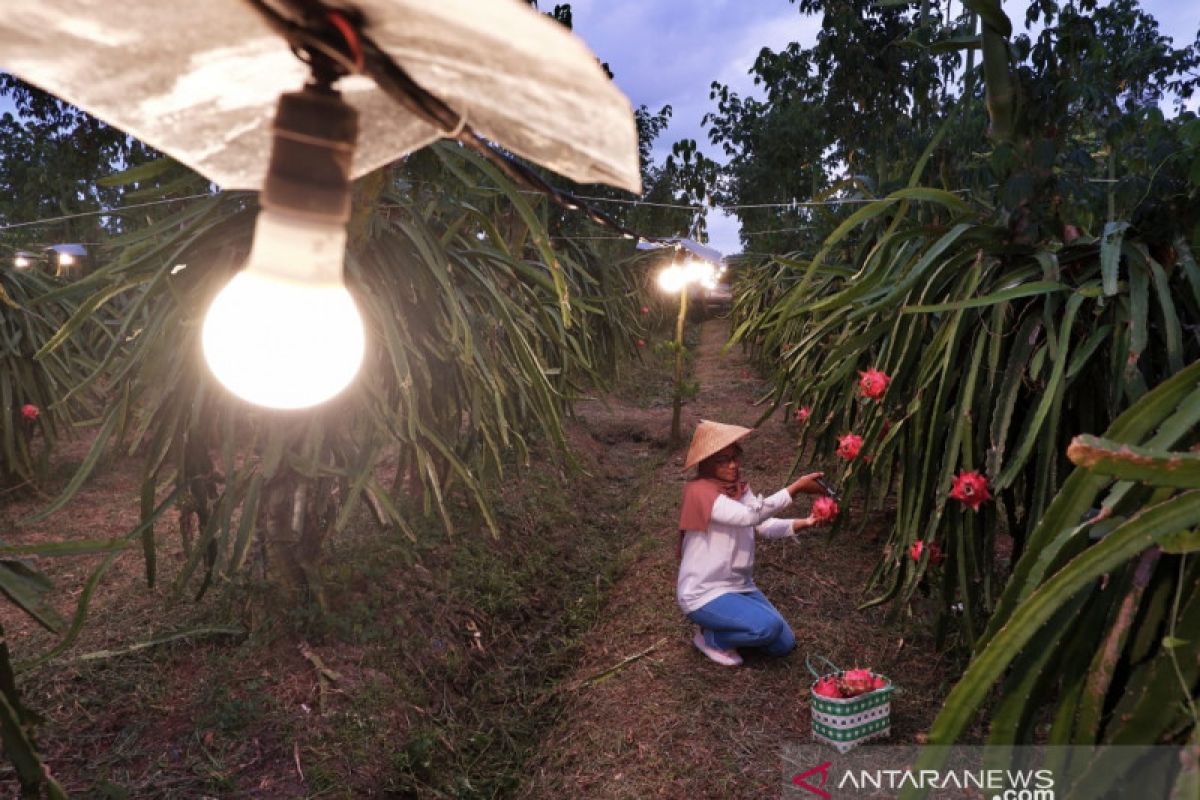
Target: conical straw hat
{"x":712,"y":437}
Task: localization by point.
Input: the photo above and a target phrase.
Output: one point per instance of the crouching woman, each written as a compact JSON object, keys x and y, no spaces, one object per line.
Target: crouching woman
{"x":717,"y":526}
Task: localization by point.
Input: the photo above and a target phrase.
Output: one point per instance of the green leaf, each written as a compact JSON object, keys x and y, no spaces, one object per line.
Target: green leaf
{"x":73,"y":547}
{"x":1004,"y":295}
{"x":27,"y":589}
{"x":1188,"y":261}
{"x":142,"y":172}
{"x":1180,"y":542}
{"x":85,"y":469}
{"x":166,"y":638}
{"x":954,"y":43}
{"x":1110,"y":255}
{"x":1029,"y":439}
{"x":1130,"y":462}
{"x":20,"y":750}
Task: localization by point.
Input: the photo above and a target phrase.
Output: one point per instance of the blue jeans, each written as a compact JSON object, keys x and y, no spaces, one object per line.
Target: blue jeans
{"x":744,"y":619}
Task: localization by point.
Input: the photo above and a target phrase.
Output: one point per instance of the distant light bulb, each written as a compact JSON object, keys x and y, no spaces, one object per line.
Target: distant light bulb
{"x":66,"y":259}
{"x":285,"y":333}
{"x":672,"y":279}
{"x":698,"y":272}
{"x":21,"y":262}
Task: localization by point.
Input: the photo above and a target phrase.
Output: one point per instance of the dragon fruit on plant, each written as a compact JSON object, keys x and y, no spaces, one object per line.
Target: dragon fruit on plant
{"x":824,"y":509}
{"x":936,"y":556}
{"x":873,"y":383}
{"x":970,"y":489}
{"x":849,"y":445}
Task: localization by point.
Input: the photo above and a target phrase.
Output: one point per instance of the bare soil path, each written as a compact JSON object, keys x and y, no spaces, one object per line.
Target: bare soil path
{"x":645,"y":714}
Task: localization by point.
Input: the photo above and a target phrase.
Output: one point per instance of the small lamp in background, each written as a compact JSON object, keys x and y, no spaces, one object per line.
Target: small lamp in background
{"x":678,"y":277}
{"x":69,"y":259}
{"x":23,"y":259}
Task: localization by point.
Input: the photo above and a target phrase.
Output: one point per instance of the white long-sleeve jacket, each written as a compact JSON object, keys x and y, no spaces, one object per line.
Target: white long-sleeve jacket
{"x":721,"y":559}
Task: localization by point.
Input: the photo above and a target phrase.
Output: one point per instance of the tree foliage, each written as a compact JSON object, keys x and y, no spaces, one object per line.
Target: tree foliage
{"x":52,"y":156}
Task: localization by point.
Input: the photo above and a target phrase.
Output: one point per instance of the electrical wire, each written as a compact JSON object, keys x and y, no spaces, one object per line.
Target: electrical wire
{"x":350,"y":34}
{"x":99,"y":212}
{"x":617,"y":238}
{"x":739,"y":206}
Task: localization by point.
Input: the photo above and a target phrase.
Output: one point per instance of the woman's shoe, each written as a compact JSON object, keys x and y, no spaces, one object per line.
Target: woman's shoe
{"x":727,"y":658}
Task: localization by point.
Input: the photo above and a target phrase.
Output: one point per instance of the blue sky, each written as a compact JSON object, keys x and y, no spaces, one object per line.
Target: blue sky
{"x":667,"y":52}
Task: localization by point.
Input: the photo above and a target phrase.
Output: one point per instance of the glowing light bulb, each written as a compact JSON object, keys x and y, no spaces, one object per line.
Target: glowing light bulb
{"x":65,"y":259}
{"x":285,"y":333}
{"x":672,"y":279}
{"x":21,"y":262}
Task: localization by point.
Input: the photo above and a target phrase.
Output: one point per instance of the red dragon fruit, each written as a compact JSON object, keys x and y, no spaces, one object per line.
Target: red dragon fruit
{"x":827,"y":687}
{"x":936,"y":556}
{"x":824,"y":509}
{"x":855,"y":682}
{"x":970,"y":489}
{"x":802,"y":414}
{"x":873,"y":383}
{"x":915,"y":551}
{"x":30,"y":412}
{"x":849,"y":445}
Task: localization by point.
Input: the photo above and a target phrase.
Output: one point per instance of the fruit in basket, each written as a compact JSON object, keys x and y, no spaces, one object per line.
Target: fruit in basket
{"x":880,"y":682}
{"x":827,"y":687}
{"x":856,"y":681}
{"x":824,"y":509}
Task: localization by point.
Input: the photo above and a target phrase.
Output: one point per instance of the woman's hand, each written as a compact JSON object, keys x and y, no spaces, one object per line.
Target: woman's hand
{"x":807,"y":484}
{"x":804,"y":522}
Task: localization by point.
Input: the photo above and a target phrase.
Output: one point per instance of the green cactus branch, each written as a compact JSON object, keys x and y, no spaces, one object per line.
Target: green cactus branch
{"x":1129,"y":462}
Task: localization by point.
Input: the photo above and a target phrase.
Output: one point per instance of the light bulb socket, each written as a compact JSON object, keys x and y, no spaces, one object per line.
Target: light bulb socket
{"x":315,"y":132}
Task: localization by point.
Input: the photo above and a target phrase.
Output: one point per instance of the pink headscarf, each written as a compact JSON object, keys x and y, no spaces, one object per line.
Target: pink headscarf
{"x":699,"y":496}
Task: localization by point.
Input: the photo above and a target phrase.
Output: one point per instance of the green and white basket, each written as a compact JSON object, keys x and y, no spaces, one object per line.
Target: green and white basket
{"x":847,"y":723}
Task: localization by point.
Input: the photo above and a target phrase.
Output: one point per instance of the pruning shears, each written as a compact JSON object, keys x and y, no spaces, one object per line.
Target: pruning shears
{"x":829,"y":488}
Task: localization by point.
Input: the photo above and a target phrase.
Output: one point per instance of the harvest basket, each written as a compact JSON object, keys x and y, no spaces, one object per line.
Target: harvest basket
{"x":847,"y":723}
